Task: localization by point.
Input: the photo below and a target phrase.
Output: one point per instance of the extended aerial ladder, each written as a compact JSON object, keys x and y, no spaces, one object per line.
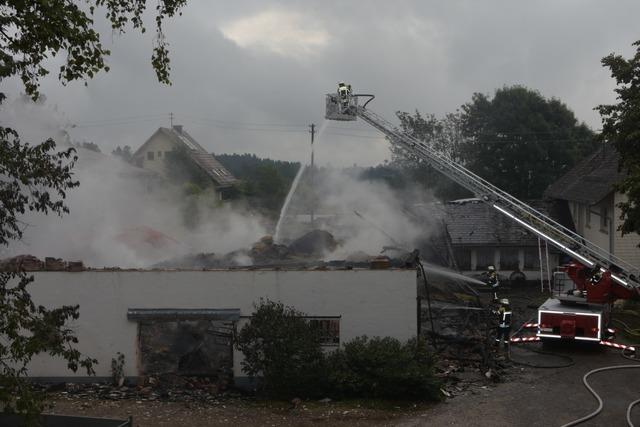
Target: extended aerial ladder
{"x":344,"y":106}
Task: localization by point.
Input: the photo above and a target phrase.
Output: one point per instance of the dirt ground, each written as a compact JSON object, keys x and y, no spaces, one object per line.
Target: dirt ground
{"x":526,"y":396}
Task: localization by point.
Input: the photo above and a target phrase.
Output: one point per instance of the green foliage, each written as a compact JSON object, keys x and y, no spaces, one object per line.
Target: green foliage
{"x":117,"y":369}
{"x":123,"y":153}
{"x":521,"y":141}
{"x":621,"y":126}
{"x":31,"y":32}
{"x":383,"y":368}
{"x":265,"y":182}
{"x":91,"y":146}
{"x":518,"y":141}
{"x":36,"y":178}
{"x":283,"y":349}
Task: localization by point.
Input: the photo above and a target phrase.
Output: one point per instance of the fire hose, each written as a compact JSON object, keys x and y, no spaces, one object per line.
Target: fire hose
{"x":599,"y":399}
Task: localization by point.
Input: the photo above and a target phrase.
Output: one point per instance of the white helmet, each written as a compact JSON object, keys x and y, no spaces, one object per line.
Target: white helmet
{"x":504,"y":301}
{"x":491,"y":268}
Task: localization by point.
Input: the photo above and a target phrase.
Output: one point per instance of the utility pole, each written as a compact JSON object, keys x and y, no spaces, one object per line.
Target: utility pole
{"x":313,"y":193}
{"x":171,"y":119}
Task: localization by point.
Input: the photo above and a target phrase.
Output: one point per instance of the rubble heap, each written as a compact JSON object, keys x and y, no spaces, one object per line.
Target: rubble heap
{"x":32,"y":263}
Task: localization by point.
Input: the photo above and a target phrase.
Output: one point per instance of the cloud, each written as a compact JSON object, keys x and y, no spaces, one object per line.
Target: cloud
{"x":285,"y":33}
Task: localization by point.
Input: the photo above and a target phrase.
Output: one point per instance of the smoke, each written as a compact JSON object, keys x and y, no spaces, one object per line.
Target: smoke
{"x":364,"y":216}
{"x":121,"y":215}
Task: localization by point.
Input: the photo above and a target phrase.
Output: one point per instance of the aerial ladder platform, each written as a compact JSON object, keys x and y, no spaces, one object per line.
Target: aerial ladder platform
{"x":616,"y":278}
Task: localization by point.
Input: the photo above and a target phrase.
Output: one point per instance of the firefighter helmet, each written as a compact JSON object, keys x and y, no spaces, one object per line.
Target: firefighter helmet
{"x":491,"y":268}
{"x":504,"y":301}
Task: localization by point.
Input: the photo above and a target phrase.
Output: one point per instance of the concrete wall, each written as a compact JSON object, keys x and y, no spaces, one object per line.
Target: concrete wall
{"x":371,"y":302}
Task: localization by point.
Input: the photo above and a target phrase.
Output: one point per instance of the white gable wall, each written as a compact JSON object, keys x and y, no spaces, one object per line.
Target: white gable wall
{"x":370,"y":302}
{"x":159,"y":145}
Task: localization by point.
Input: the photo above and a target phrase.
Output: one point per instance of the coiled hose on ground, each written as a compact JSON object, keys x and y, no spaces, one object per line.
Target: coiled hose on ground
{"x":599,"y":399}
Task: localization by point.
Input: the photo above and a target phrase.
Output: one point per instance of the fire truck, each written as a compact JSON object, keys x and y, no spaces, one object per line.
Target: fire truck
{"x":580,"y":306}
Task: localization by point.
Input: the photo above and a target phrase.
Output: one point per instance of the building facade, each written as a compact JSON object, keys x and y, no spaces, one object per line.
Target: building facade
{"x":152,"y":317}
{"x":153,"y":153}
{"x":588,"y":193}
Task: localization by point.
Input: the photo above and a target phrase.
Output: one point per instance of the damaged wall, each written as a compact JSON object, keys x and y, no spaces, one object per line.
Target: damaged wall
{"x":368,"y":302}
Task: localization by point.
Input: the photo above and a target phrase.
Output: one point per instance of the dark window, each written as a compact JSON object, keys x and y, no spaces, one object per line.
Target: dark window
{"x":159,"y":154}
{"x":509,"y":259}
{"x":330,"y":330}
{"x":484,"y":258}
{"x":463,"y":258}
{"x":150,"y":155}
{"x":531,"y":259}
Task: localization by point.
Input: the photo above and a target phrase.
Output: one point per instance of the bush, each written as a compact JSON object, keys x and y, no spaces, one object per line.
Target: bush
{"x":283,"y":349}
{"x":383,"y":368}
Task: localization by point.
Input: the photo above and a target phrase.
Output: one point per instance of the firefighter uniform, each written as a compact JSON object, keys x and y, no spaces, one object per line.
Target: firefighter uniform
{"x":343,"y":92}
{"x":503,"y":330}
{"x":492,"y":280}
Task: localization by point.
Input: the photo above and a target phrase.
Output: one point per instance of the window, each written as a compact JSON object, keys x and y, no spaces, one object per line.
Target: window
{"x":509,"y":259}
{"x":604,"y":219}
{"x":330,"y":330}
{"x":150,"y":155}
{"x":484,"y":258}
{"x":159,"y":154}
{"x":531,"y":259}
{"x":463,"y":258}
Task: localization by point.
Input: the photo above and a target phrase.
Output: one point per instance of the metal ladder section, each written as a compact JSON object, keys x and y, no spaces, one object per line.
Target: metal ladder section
{"x":552,"y":232}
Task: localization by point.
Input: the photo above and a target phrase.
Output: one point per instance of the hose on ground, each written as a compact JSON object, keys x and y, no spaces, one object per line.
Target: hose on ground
{"x":570,"y":361}
{"x":599,"y":399}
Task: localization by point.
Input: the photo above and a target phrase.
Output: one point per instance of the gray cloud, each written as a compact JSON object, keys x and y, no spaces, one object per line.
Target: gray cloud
{"x":412,"y":54}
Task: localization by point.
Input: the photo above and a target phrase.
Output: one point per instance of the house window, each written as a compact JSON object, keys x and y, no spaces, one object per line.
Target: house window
{"x":150,"y":155}
{"x":463,"y":258}
{"x":484,"y":258}
{"x":509,"y":259}
{"x":329,"y":330}
{"x":531,"y":259}
{"x":604,"y":219}
{"x":159,"y":154}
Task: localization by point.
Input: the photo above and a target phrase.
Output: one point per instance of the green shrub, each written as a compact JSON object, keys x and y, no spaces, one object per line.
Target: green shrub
{"x":383,"y":368}
{"x":282,"y":349}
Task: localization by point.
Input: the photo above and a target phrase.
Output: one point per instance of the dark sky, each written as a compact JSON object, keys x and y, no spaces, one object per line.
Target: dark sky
{"x":249,"y":76}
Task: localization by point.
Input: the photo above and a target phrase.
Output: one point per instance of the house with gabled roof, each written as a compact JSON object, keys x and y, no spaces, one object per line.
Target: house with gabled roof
{"x":588,"y":192}
{"x":151,"y":156}
{"x":481,"y":236}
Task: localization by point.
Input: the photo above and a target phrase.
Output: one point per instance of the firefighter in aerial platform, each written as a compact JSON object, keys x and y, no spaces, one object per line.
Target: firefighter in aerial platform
{"x":493,"y":281}
{"x":503,"y":331}
{"x":344,"y":92}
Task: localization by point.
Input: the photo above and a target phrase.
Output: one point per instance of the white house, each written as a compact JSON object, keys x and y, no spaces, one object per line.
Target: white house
{"x":152,"y":154}
{"x":588,"y":193}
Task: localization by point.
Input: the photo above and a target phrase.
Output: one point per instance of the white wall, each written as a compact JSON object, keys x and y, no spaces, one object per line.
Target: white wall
{"x":625,"y":247}
{"x":371,"y":302}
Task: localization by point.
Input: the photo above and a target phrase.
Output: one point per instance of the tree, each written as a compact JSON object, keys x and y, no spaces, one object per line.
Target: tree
{"x":518,"y":141}
{"x":124,"y":154}
{"x":521,"y":141}
{"x":36,"y":177}
{"x":283,"y":349}
{"x":444,"y":135}
{"x":621,"y":127}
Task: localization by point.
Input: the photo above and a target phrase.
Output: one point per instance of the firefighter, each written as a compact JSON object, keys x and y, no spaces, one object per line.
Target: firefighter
{"x":493,"y":281}
{"x":344,"y":92}
{"x":503,"y":330}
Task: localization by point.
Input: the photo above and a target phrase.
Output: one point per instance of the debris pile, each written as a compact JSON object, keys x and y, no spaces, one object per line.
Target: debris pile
{"x":32,"y":263}
{"x":171,"y":388}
